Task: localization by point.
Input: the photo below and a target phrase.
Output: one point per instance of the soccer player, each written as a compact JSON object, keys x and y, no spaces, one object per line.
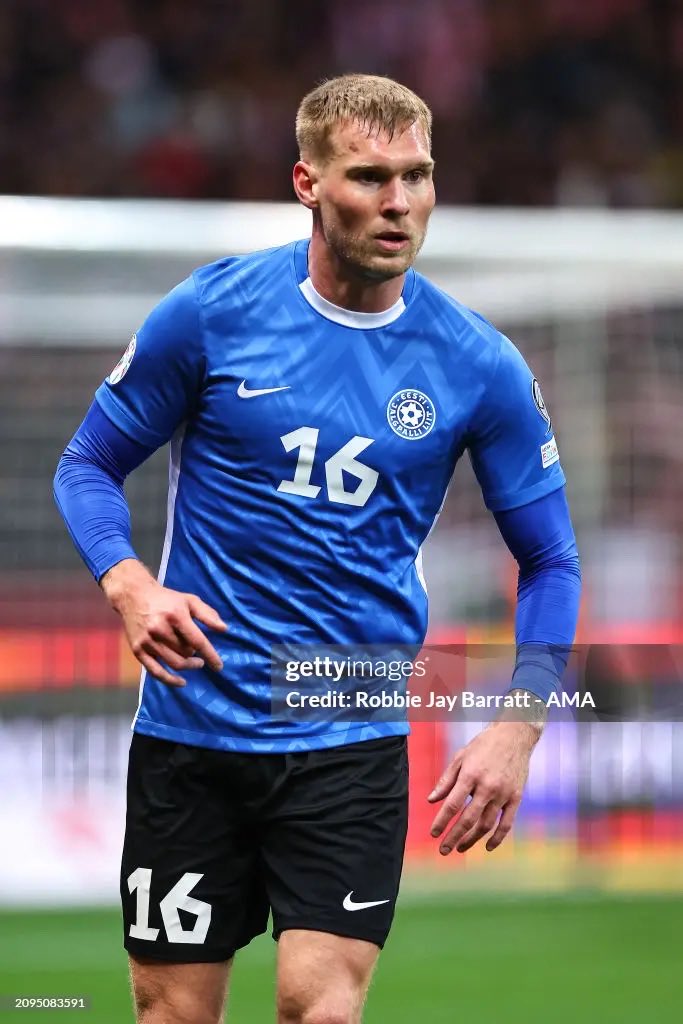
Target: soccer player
{"x":317,"y":397}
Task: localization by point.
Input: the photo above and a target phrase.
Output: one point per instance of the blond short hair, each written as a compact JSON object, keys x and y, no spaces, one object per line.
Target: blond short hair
{"x":376,"y":103}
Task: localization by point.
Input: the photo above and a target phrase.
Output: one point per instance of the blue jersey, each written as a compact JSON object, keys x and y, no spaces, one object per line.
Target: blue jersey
{"x":311,"y":449}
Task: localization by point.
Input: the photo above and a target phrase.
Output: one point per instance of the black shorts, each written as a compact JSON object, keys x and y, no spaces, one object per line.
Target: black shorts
{"x":216,"y":840}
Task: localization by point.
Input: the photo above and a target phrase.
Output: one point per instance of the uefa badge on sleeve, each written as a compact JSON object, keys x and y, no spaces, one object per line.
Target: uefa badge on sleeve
{"x":124,"y":362}
{"x":411,"y":414}
{"x":540,"y":404}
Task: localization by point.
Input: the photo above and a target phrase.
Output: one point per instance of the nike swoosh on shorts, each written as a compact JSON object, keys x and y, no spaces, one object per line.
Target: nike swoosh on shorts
{"x":349,"y":904}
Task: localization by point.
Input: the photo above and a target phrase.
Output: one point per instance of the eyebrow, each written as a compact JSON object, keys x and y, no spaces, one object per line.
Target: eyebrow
{"x":422,"y":165}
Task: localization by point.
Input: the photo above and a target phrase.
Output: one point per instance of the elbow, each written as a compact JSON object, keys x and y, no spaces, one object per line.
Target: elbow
{"x":570,"y":565}
{"x":566,"y":566}
{"x":57,"y":480}
{"x":69,"y":468}
{"x":60,"y":478}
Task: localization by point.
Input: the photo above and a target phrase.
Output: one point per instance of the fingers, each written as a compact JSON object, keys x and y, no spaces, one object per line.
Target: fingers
{"x":447,"y":780}
{"x":157,"y":670}
{"x":178,"y":642}
{"x":486,"y":822}
{"x":504,"y":825}
{"x":193,"y":637}
{"x":148,"y":656}
{"x":475,"y":821}
{"x":173,"y":658}
{"x":492,"y":770}
{"x":164,"y":630}
{"x":467,"y":822}
{"x":196,"y":641}
{"x":452,"y":805}
{"x":205,"y":613}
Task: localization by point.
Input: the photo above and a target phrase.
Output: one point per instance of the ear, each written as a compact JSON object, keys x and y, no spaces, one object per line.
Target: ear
{"x":305,"y":179}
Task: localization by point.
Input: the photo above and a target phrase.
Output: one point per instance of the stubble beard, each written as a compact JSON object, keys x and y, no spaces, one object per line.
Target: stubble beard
{"x":358,"y":253}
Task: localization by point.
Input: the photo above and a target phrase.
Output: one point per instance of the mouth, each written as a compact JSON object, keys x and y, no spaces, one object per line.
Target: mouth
{"x":392,"y":241}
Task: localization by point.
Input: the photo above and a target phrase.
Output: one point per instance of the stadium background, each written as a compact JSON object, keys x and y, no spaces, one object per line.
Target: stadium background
{"x":537,"y":104}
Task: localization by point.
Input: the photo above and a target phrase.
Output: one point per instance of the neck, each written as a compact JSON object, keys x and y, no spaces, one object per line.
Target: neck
{"x":337,"y":282}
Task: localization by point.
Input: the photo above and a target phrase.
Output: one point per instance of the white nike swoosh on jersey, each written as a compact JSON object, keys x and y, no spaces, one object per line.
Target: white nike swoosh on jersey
{"x":244,"y":392}
{"x":349,"y":904}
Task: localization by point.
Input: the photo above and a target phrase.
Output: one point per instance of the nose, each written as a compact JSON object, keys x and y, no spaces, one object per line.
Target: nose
{"x":395,"y":199}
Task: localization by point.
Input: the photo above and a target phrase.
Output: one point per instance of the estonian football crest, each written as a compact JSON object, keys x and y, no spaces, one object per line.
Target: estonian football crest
{"x":411,"y":414}
{"x":540,"y":404}
{"x":124,"y":362}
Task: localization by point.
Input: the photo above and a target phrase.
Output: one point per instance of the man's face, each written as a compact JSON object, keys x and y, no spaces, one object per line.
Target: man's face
{"x":375,"y":196}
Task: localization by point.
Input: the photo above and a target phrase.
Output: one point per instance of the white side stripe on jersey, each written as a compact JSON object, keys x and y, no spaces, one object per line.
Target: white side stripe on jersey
{"x":418,"y":556}
{"x":173,"y":477}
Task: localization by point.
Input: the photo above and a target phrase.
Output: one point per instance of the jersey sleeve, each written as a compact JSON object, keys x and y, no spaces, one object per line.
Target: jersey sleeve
{"x":511,"y":442}
{"x":157,"y":382}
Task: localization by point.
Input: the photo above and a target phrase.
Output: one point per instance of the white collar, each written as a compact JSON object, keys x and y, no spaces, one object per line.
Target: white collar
{"x":350,"y":317}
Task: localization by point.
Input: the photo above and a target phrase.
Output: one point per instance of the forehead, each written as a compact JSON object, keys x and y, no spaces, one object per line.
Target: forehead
{"x":351,"y":142}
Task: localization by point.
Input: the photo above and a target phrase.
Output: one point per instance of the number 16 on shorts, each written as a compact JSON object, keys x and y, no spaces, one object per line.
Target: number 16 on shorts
{"x":140,"y":881}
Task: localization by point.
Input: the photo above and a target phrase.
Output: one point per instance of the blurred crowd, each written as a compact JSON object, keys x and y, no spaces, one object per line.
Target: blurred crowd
{"x":535,"y":101}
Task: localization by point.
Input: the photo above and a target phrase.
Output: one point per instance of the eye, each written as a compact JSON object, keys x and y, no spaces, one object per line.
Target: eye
{"x":368,"y":177}
{"x":415,"y":177}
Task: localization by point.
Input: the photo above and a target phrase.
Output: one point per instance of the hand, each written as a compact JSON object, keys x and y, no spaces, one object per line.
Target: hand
{"x":492,"y":769}
{"x":159,"y":622}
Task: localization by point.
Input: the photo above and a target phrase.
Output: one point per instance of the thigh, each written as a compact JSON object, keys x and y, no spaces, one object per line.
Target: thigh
{"x":333,"y":847}
{"x":322,"y":977}
{"x":178,"y":993}
{"x":192,"y":886}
